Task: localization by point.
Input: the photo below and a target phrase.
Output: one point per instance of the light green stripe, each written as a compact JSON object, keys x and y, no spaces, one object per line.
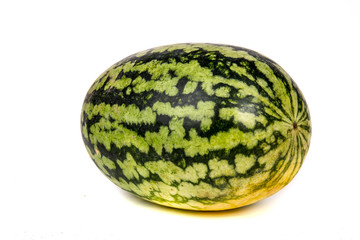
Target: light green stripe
{"x":130,"y":114}
{"x":190,"y":87}
{"x":203,"y":112}
{"x":102,"y":132}
{"x":238,"y":116}
{"x":166,"y":85}
{"x":120,"y":84}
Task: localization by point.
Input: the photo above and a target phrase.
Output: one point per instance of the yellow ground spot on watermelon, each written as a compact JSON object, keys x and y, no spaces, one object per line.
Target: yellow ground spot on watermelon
{"x":190,"y":87}
{"x":220,"y":168}
{"x":223,"y":92}
{"x":246,"y":118}
{"x":244,"y":163}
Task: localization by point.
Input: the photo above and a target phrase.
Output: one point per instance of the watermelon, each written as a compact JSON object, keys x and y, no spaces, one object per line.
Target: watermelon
{"x":197,"y":126}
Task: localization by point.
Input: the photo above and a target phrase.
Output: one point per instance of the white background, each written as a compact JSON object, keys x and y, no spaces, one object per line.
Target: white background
{"x":52,"y":51}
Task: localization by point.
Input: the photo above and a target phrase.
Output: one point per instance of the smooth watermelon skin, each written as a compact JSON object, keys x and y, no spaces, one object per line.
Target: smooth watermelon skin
{"x":197,"y":126}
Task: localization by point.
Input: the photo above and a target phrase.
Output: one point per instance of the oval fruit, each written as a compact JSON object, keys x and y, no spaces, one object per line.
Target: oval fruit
{"x":197,"y":126}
